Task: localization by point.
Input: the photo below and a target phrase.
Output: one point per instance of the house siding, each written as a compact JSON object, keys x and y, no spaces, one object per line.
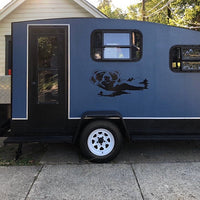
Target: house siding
{"x":37,"y":9}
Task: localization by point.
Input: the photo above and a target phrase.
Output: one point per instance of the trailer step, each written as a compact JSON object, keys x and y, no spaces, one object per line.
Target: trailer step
{"x":41,"y":139}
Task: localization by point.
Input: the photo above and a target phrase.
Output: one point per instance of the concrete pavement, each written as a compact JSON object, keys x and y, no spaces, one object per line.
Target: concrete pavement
{"x":86,"y":181}
{"x":143,"y":170}
{"x":16,"y":181}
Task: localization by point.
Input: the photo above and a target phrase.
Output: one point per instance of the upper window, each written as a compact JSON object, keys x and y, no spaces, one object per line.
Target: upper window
{"x":185,"y":58}
{"x":112,"y":45}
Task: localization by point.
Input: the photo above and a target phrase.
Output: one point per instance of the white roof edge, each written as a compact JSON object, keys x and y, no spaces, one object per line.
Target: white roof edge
{"x":10,"y":7}
{"x":90,"y":8}
{"x":83,"y":3}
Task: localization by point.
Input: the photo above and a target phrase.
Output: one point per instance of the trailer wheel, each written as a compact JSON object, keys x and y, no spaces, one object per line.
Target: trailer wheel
{"x":100,"y":141}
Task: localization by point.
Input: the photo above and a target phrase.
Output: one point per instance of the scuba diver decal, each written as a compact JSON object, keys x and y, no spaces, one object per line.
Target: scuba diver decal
{"x":113,"y":85}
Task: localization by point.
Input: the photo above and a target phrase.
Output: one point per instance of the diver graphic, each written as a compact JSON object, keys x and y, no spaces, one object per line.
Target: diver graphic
{"x":113,"y":85}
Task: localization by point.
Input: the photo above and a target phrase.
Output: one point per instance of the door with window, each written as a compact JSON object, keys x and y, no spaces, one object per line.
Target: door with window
{"x":47,"y":77}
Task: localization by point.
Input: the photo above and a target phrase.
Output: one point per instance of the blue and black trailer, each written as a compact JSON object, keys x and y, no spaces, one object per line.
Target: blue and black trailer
{"x":97,"y":81}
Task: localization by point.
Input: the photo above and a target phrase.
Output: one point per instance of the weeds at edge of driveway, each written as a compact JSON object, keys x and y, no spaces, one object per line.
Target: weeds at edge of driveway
{"x":31,"y":154}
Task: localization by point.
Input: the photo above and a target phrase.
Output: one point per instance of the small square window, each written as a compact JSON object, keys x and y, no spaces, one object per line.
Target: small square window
{"x":185,"y":58}
{"x":113,"y":45}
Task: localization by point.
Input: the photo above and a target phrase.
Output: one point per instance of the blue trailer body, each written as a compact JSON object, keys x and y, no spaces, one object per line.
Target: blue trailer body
{"x":149,"y":95}
{"x":169,"y":95}
{"x":96,"y":80}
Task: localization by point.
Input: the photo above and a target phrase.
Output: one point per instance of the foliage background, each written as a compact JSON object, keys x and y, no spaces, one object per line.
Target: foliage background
{"x":181,"y":13}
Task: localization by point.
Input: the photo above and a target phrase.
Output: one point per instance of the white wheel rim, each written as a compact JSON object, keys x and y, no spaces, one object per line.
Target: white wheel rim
{"x":101,"y":142}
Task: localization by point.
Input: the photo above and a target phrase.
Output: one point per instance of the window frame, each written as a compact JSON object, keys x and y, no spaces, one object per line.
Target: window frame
{"x":181,"y":60}
{"x":130,"y":46}
{"x":8,"y":54}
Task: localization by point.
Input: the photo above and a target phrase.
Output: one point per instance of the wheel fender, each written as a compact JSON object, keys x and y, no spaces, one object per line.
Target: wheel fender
{"x":113,"y":116}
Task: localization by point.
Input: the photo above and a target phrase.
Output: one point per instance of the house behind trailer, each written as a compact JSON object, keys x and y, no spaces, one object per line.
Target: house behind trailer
{"x":22,"y":10}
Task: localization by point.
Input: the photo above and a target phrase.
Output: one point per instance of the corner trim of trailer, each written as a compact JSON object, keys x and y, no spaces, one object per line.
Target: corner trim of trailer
{"x":27,"y":89}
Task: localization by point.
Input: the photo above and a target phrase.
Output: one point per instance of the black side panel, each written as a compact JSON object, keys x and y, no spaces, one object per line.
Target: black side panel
{"x":22,"y":128}
{"x":164,"y":127}
{"x":5,"y":115}
{"x":138,"y":129}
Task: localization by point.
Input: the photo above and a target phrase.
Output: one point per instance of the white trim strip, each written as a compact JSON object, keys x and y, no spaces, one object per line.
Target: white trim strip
{"x":161,"y":117}
{"x":68,"y":66}
{"x":150,"y":118}
{"x":132,"y":118}
{"x":27,"y":70}
{"x":74,"y":117}
{"x":129,"y":118}
{"x":19,"y":119}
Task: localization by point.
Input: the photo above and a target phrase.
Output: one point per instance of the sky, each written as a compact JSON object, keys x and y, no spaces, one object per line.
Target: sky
{"x":117,"y":3}
{"x":3,"y":3}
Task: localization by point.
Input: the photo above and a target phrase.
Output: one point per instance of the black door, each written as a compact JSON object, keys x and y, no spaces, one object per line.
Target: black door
{"x":48,"y":77}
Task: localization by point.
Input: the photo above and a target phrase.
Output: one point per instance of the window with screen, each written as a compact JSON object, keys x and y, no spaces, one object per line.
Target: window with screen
{"x":185,"y":58}
{"x":113,"y":45}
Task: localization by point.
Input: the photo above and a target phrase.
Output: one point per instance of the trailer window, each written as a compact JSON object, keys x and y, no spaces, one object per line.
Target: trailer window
{"x":116,"y":45}
{"x":48,"y":66}
{"x":185,"y":58}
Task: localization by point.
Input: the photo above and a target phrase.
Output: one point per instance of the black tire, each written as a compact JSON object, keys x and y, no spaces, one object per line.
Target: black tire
{"x":108,"y":131}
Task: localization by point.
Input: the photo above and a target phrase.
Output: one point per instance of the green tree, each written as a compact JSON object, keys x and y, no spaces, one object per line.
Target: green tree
{"x":184,"y":13}
{"x":105,"y":6}
{"x":157,"y":11}
{"x":134,"y":12}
